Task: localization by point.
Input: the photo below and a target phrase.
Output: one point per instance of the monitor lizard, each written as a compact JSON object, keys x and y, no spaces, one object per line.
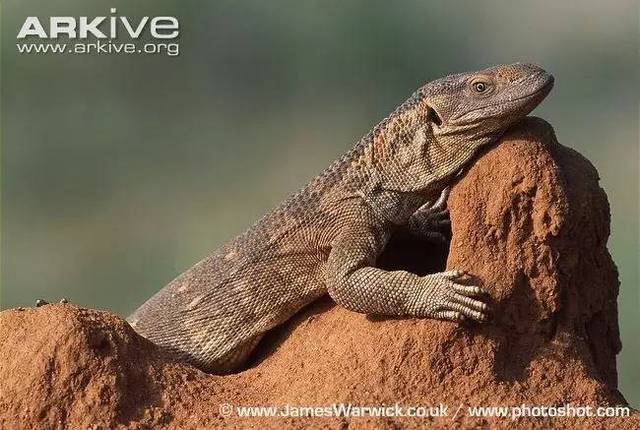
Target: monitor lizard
{"x":326,"y":237}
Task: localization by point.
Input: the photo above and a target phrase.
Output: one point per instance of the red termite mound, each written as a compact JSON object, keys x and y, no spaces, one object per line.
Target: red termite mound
{"x":529,"y":220}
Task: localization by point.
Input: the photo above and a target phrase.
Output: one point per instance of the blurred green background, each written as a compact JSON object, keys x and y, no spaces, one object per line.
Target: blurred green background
{"x":119,"y":172}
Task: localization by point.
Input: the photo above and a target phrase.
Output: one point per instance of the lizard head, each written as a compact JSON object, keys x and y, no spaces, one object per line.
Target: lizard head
{"x":479,"y":106}
{"x":469,"y":110}
{"x":438,"y":130}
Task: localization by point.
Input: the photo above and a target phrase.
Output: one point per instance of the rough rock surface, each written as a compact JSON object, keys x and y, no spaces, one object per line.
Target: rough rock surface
{"x":528,"y":219}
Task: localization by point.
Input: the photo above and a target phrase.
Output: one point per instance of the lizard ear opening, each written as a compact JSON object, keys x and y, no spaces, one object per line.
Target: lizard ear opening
{"x":434,"y":117}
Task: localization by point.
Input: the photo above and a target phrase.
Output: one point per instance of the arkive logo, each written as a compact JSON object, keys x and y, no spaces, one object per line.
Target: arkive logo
{"x":101,"y":27}
{"x":103,"y":30}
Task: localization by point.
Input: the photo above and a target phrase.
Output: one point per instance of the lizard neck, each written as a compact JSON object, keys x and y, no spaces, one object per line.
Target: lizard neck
{"x":380,"y":192}
{"x":393,"y":207}
{"x":397,"y":205}
{"x":397,"y":168}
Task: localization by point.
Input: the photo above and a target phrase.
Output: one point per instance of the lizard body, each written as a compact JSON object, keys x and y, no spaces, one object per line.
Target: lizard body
{"x":326,"y":238}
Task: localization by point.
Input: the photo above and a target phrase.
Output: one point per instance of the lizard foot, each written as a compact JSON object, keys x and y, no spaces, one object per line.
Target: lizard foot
{"x":430,"y":219}
{"x":41,"y":302}
{"x":445,"y":297}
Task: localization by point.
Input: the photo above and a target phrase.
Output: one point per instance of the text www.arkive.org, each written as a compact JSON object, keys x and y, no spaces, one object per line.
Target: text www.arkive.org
{"x":101,"y":48}
{"x":99,"y":35}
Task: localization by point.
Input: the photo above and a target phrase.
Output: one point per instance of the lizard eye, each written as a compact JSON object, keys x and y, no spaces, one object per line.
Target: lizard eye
{"x":480,"y":87}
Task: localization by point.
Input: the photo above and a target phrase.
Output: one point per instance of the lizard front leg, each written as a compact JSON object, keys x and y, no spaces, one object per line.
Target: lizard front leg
{"x":430,"y":219}
{"x":355,"y":283}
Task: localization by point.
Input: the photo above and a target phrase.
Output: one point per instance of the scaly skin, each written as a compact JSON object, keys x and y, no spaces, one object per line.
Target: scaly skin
{"x":326,"y":238}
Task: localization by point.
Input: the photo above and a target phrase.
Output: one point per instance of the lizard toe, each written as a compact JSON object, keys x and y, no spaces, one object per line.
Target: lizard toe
{"x":471,"y":313}
{"x":454,"y":275}
{"x":442,"y":200}
{"x":450,"y":316}
{"x":469,"y":290}
{"x":478,"y":316}
{"x":470,"y":303}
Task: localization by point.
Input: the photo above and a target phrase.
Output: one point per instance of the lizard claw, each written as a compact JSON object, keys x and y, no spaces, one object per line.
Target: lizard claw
{"x":446,"y":298}
{"x":441,"y":203}
{"x":430,"y":218}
